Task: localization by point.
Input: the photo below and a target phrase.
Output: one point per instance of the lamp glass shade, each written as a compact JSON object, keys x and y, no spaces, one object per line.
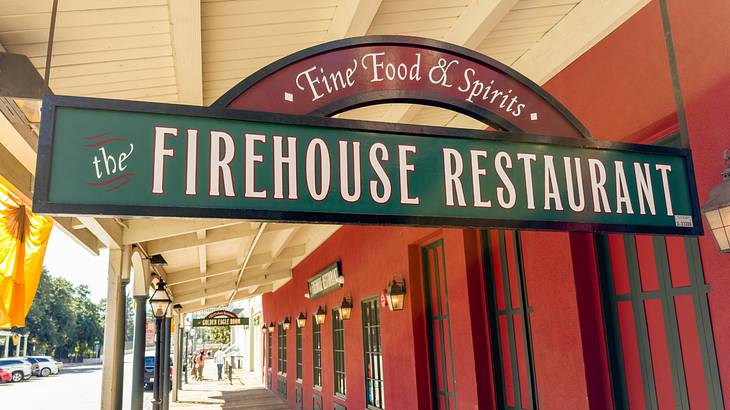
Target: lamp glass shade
{"x":271,"y":327}
{"x":717,"y":213}
{"x":320,"y":316}
{"x":285,"y":324}
{"x":396,"y":295}
{"x":264,"y":329}
{"x":301,"y":320}
{"x":160,"y":301}
{"x":719,"y":221}
{"x":345,"y":309}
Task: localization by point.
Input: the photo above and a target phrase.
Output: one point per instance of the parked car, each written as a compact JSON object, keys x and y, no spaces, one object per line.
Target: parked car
{"x":20,"y":369}
{"x":43,"y":365}
{"x":149,"y":371}
{"x":5,"y":376}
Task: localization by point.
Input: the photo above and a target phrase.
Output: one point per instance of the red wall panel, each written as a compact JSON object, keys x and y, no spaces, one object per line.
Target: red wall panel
{"x":631,"y":98}
{"x":370,"y":258}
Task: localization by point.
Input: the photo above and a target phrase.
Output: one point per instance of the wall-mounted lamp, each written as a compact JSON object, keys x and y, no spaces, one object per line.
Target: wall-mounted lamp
{"x":271,"y":327}
{"x":717,"y":208}
{"x":346,"y":308}
{"x":264,"y":329}
{"x":301,"y":320}
{"x":286,"y":323}
{"x":320,"y":315}
{"x":396,"y":294}
{"x":306,"y":295}
{"x":341,"y":279}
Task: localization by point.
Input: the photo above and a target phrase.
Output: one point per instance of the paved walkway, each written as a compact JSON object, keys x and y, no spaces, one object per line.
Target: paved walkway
{"x":246,"y":392}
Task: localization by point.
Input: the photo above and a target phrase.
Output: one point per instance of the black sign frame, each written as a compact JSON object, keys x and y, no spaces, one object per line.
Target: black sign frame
{"x":42,"y":205}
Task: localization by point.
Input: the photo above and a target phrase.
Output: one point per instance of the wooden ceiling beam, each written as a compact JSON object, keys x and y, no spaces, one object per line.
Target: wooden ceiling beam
{"x":190,"y":240}
{"x":108,"y":231}
{"x":352,"y":18}
{"x":143,"y":230}
{"x":587,"y":24}
{"x":185,"y":28}
{"x":189,"y":297}
{"x":471,"y":28}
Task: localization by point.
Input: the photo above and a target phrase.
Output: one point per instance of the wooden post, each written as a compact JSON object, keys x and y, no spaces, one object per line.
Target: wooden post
{"x":112,"y":360}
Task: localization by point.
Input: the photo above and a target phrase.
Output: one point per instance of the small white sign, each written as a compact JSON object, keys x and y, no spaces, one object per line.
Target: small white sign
{"x":533,"y":116}
{"x":289,"y":97}
{"x":684,"y":221}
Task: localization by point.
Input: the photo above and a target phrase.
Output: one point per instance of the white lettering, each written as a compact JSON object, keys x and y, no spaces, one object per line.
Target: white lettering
{"x":291,"y":164}
{"x":453,"y":168}
{"x":220,"y":165}
{"x":380,"y":172}
{"x":158,"y":161}
{"x":318,"y":145}
{"x":251,"y":158}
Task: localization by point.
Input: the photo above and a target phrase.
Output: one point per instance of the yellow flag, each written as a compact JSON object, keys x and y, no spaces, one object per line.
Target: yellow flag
{"x":23,"y":241}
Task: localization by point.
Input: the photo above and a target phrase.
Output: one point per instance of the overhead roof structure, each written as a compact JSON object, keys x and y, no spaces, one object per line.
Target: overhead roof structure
{"x":192,"y":52}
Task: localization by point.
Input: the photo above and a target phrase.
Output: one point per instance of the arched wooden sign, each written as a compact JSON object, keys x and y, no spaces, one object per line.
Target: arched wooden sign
{"x":266,"y":151}
{"x":346,"y":74}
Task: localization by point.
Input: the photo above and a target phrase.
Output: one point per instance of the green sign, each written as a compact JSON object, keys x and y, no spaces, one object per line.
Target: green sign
{"x":122,"y":158}
{"x":325,"y":281}
{"x":221,"y":318}
{"x":221,"y":321}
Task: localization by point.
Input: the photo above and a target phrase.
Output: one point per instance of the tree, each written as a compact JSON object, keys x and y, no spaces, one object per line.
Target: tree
{"x":221,"y":334}
{"x":89,"y":329}
{"x":63,"y":320}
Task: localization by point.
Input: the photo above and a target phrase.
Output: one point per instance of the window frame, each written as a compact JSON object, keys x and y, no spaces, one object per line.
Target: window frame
{"x":281,"y":365}
{"x":316,"y":349}
{"x":299,"y":334}
{"x":368,"y":351}
{"x":338,"y":348}
{"x":269,"y":339}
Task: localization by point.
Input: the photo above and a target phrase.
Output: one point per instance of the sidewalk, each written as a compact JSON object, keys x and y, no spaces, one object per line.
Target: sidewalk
{"x":210,"y":394}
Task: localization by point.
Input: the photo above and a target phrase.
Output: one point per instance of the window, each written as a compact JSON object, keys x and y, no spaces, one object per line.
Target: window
{"x":655,"y":303}
{"x":316,"y":353}
{"x":282,"y":350}
{"x":373,"y":354}
{"x":268,"y":344}
{"x":338,"y":351}
{"x":509,"y":320}
{"x":299,"y":352}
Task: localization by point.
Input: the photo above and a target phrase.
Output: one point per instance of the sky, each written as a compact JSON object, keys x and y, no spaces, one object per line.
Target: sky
{"x":67,"y":259}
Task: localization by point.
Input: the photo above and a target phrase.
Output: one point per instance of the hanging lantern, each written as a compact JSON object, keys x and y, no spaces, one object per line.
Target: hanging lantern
{"x":286,"y":323}
{"x":160,"y":300}
{"x":264,"y":329}
{"x":271,"y":327}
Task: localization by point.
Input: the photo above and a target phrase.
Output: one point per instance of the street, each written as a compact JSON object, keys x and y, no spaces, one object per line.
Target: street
{"x":73,"y":388}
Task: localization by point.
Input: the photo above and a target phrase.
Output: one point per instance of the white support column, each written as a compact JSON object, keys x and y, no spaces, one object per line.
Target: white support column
{"x":177,"y":318}
{"x":25,"y":346}
{"x":7,"y":345}
{"x":111,"y":361}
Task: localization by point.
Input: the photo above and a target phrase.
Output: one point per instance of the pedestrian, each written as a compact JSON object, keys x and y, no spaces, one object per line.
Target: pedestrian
{"x":219,"y":359}
{"x":201,"y":364}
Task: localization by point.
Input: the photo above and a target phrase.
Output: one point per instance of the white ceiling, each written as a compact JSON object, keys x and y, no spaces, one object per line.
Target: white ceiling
{"x":192,"y":52}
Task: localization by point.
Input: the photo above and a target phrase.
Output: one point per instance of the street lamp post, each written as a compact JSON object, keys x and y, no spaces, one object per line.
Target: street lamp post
{"x":160,"y":302}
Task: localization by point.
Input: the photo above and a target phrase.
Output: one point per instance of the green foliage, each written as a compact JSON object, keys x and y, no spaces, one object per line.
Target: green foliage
{"x":221,"y":334}
{"x":63,"y":320}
